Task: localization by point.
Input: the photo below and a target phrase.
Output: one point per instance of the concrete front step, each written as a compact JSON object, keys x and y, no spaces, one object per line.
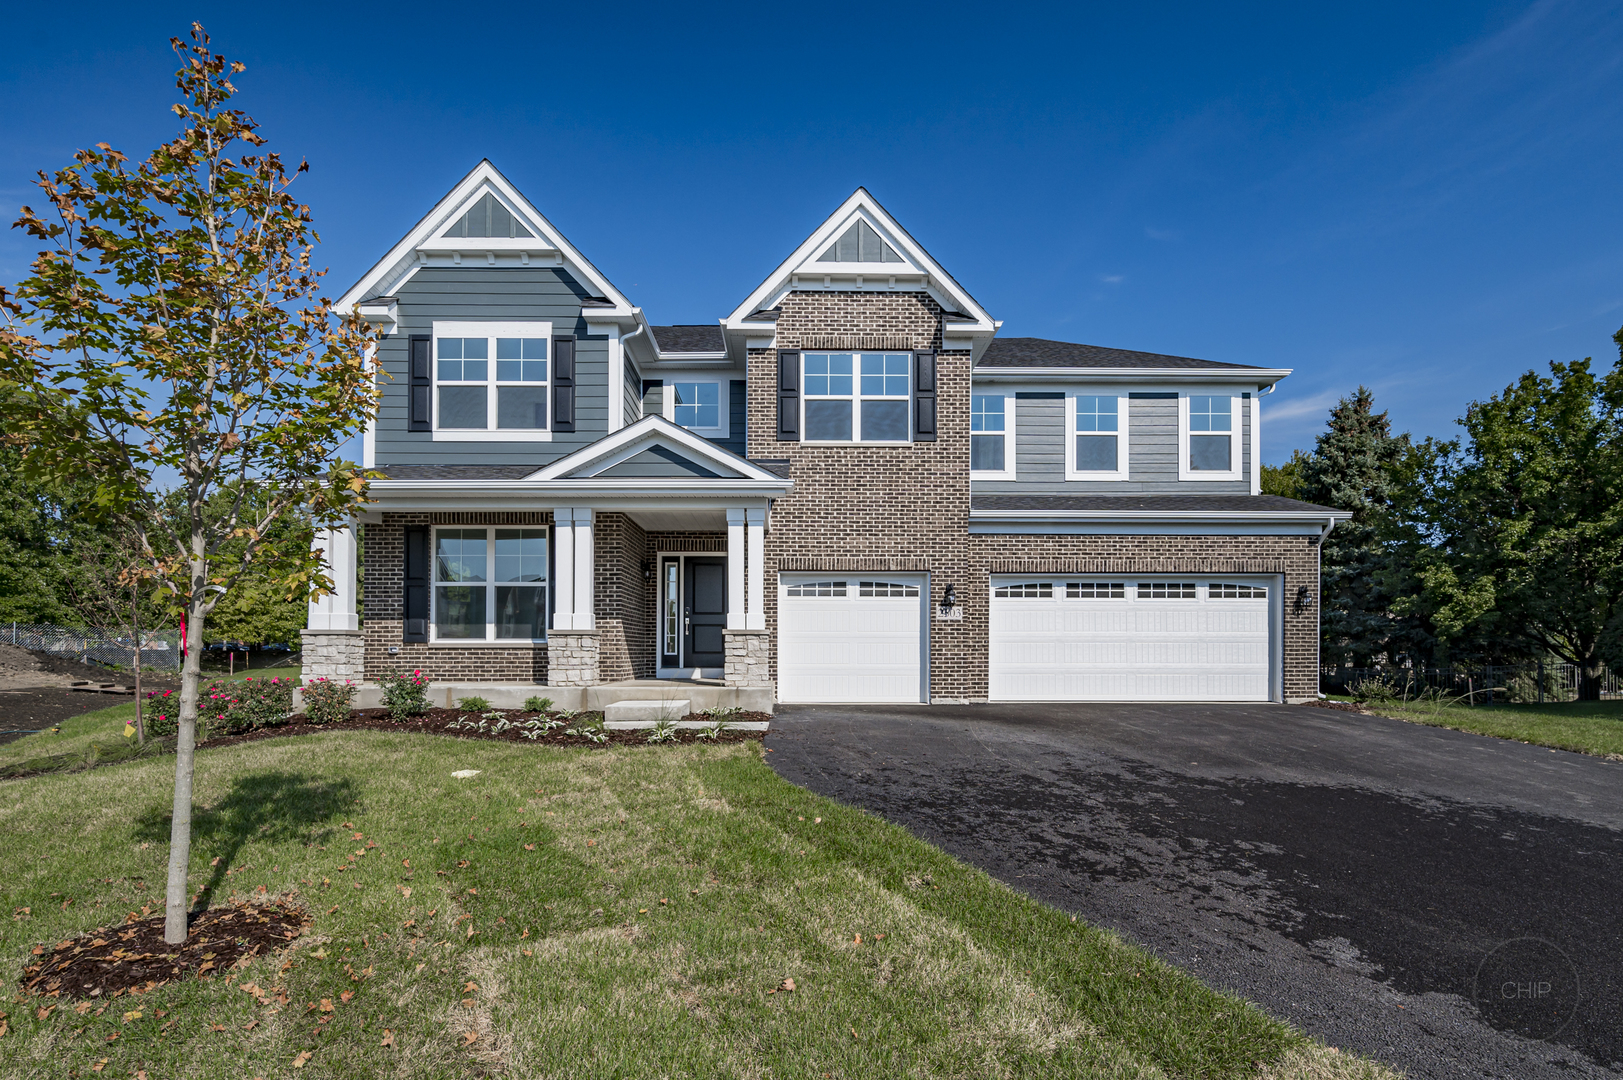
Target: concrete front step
{"x":652,"y":710}
{"x":699,"y":696}
{"x":686,"y":725}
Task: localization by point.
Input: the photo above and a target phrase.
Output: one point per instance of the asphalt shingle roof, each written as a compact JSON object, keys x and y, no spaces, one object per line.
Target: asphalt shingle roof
{"x":1216,"y":504}
{"x":1042,"y":353}
{"x":681,"y":339}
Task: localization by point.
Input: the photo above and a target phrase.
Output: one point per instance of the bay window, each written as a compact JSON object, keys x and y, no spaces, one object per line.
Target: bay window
{"x":490,"y":584}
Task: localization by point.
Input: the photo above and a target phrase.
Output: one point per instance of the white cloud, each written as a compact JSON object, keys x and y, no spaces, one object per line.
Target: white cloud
{"x":1164,"y":235}
{"x":1318,"y":405}
{"x":1112,"y":279}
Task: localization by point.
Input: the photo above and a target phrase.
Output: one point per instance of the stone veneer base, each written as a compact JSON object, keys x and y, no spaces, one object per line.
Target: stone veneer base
{"x":333,"y":654}
{"x":572,"y":657}
{"x":749,"y":658}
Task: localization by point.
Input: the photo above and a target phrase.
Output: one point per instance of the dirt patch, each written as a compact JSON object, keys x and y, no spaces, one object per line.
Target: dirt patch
{"x":25,"y":668}
{"x":134,"y":958}
{"x":459,"y":724}
{"x":1339,"y":706}
{"x":38,"y":708}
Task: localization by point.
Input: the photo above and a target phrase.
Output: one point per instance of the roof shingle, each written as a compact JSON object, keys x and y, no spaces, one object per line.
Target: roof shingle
{"x":1042,"y":353}
{"x":686,"y":339}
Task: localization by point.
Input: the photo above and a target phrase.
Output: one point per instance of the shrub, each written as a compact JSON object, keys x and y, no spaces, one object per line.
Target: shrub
{"x":404,"y":695}
{"x":663,"y":731}
{"x":537,"y":704}
{"x":472,"y":704}
{"x":328,"y":702}
{"x":161,"y":713}
{"x":1377,"y":690}
{"x":231,"y":708}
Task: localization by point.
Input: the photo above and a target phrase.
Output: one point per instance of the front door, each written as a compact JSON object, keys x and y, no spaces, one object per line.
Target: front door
{"x":705,"y":615}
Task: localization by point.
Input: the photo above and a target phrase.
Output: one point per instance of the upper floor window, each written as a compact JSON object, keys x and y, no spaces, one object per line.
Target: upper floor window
{"x":1097,"y":446}
{"x":1210,"y":450}
{"x":696,"y":405}
{"x":991,"y":436}
{"x":491,"y":378}
{"x":490,"y":584}
{"x":857,"y":397}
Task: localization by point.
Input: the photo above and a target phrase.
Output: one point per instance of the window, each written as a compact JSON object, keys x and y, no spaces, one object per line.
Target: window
{"x":490,"y":584}
{"x":1098,"y":445}
{"x":857,"y":397}
{"x":1222,"y":590}
{"x":492,"y":378}
{"x":818,"y":588}
{"x":886,"y":588}
{"x":860,"y":244}
{"x":1211,"y":419}
{"x":1162,"y":590}
{"x":1095,"y":590}
{"x":673,"y":608}
{"x":696,"y":405}
{"x":1035,"y":590}
{"x":991,"y":447}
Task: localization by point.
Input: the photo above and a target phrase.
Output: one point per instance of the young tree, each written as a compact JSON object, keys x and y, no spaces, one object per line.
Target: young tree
{"x":185,"y":346}
{"x":1350,"y":469}
{"x":1517,"y":534}
{"x":1286,"y":479}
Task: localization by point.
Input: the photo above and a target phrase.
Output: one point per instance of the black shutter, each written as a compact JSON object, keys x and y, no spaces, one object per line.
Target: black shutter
{"x":924,"y":397}
{"x":563,"y":384}
{"x":416,"y":583}
{"x":788,"y":395}
{"x":422,"y":386}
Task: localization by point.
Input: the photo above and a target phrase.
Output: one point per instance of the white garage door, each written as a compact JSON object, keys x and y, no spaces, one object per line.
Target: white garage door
{"x":1097,"y":638}
{"x":851,"y":637}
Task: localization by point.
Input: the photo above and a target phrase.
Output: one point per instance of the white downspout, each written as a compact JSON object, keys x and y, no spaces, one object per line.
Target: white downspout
{"x":642,"y":327}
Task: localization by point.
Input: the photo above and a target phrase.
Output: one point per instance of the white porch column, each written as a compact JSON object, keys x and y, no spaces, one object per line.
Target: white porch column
{"x":336,"y":610}
{"x":756,"y":520}
{"x":585,"y":563}
{"x":563,"y":539}
{"x":735,"y":569}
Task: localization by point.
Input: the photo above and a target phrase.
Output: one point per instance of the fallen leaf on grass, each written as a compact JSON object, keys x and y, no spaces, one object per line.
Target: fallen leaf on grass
{"x":529,"y":847}
{"x":43,"y":1011}
{"x":326,"y":1004}
{"x":789,"y":985}
{"x":388,"y":1038}
{"x":134,"y":1014}
{"x":216,"y":1027}
{"x":100,"y":1065}
{"x":304,"y":1055}
{"x":469,"y":1038}
{"x":114,"y":1036}
{"x":250,"y":1025}
{"x":529,"y":952}
{"x":405,"y":890}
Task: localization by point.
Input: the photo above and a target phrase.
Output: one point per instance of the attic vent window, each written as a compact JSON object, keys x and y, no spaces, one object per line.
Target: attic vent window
{"x":860,"y":244}
{"x":488,"y":217}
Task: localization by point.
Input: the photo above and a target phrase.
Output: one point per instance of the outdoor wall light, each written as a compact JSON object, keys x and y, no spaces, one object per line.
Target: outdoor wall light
{"x":949,"y":600}
{"x":1304,"y":598}
{"x":647,"y":570}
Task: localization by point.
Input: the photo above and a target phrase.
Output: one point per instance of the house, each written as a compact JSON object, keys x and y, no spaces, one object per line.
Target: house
{"x":852,"y":487}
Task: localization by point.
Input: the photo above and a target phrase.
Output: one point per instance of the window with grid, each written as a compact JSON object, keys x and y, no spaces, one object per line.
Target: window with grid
{"x":885,"y":588}
{"x":1095,"y":590}
{"x":471,"y":399}
{"x":1034,"y":590}
{"x":1211,"y":420}
{"x":818,"y":588}
{"x":1097,"y":426}
{"x":1164,"y":590}
{"x":1222,"y":590}
{"x":696,"y":405}
{"x":986,"y":432}
{"x":857,"y":397}
{"x":490,"y":584}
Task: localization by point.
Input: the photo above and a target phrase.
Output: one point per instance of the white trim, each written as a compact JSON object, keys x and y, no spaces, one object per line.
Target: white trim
{"x":616,"y":380}
{"x":755,"y":526}
{"x":723,"y":400}
{"x":1123,"y":457}
{"x":736,"y":614}
{"x":1247,"y":377}
{"x":369,"y":436}
{"x":1155,"y":522}
{"x":1009,"y":463}
{"x":423,"y":246}
{"x":1254,"y":407}
{"x":489,"y":584}
{"x":478,"y":435}
{"x":1235,"y":471}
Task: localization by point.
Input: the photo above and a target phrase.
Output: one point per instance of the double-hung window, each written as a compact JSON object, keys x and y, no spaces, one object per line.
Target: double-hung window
{"x":696,"y":405}
{"x":1096,"y":448}
{"x":857,"y":397}
{"x":991,"y":436}
{"x":490,"y":380}
{"x":1210,"y":449}
{"x":490,"y":584}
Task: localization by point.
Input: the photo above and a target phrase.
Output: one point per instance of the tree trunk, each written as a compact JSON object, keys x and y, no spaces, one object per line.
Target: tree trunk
{"x":135,"y":630}
{"x":176,"y":898}
{"x":1589,"y":681}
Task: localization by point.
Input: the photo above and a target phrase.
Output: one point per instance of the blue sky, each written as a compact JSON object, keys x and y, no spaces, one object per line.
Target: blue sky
{"x":1423,"y":198}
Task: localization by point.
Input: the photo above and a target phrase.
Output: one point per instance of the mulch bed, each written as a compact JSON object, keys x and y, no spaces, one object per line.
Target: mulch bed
{"x":1339,"y":706}
{"x":440,"y":721}
{"x":38,"y":708}
{"x":134,"y":958}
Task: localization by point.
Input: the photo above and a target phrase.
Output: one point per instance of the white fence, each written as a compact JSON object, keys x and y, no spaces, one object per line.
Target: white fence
{"x":109,"y":648}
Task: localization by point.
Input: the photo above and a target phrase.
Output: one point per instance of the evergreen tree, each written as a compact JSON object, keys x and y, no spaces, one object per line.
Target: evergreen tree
{"x":1351,"y":469}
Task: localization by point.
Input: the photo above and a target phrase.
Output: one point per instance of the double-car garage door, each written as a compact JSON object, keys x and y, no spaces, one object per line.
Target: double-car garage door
{"x":862,"y":637}
{"x":1095,"y":638}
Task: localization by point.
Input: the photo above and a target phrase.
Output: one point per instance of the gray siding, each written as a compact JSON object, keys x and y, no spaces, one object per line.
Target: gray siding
{"x":735,"y":418}
{"x":492,"y":294}
{"x":657,"y":461}
{"x":633,"y":395}
{"x":653,"y":399}
{"x":1152,"y":448}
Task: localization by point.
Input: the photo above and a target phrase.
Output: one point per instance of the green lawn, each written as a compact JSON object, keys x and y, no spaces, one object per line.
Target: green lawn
{"x":1590,"y":727}
{"x":667,"y":891}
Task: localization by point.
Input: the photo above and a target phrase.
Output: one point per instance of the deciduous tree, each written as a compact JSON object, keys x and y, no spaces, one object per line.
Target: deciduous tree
{"x":183,"y":345}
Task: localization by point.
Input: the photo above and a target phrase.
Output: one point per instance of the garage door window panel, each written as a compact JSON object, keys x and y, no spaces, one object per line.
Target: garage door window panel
{"x":1095,"y":590}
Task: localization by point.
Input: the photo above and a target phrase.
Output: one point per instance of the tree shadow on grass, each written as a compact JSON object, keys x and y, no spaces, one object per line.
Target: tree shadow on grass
{"x":274,"y":807}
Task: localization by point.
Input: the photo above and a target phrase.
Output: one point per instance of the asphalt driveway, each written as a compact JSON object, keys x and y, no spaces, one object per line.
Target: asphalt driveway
{"x":1447,"y":903}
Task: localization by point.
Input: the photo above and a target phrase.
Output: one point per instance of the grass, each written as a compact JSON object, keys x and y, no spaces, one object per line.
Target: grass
{"x":668,"y":889}
{"x":1589,"y":727}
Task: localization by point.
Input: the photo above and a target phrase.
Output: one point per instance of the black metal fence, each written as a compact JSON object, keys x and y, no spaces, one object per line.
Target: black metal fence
{"x":109,"y":648}
{"x":1481,"y":684}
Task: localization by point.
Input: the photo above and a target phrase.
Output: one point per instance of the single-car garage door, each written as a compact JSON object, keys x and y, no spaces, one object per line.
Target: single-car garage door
{"x":852,"y":637}
{"x":1097,"y":638}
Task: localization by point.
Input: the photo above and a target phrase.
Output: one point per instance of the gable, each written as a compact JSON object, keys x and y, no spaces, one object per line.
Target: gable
{"x":658,"y":461}
{"x":860,"y":244}
{"x":488,"y":217}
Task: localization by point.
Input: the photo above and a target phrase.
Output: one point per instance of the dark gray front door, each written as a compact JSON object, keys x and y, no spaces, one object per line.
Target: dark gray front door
{"x":706,"y":615}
